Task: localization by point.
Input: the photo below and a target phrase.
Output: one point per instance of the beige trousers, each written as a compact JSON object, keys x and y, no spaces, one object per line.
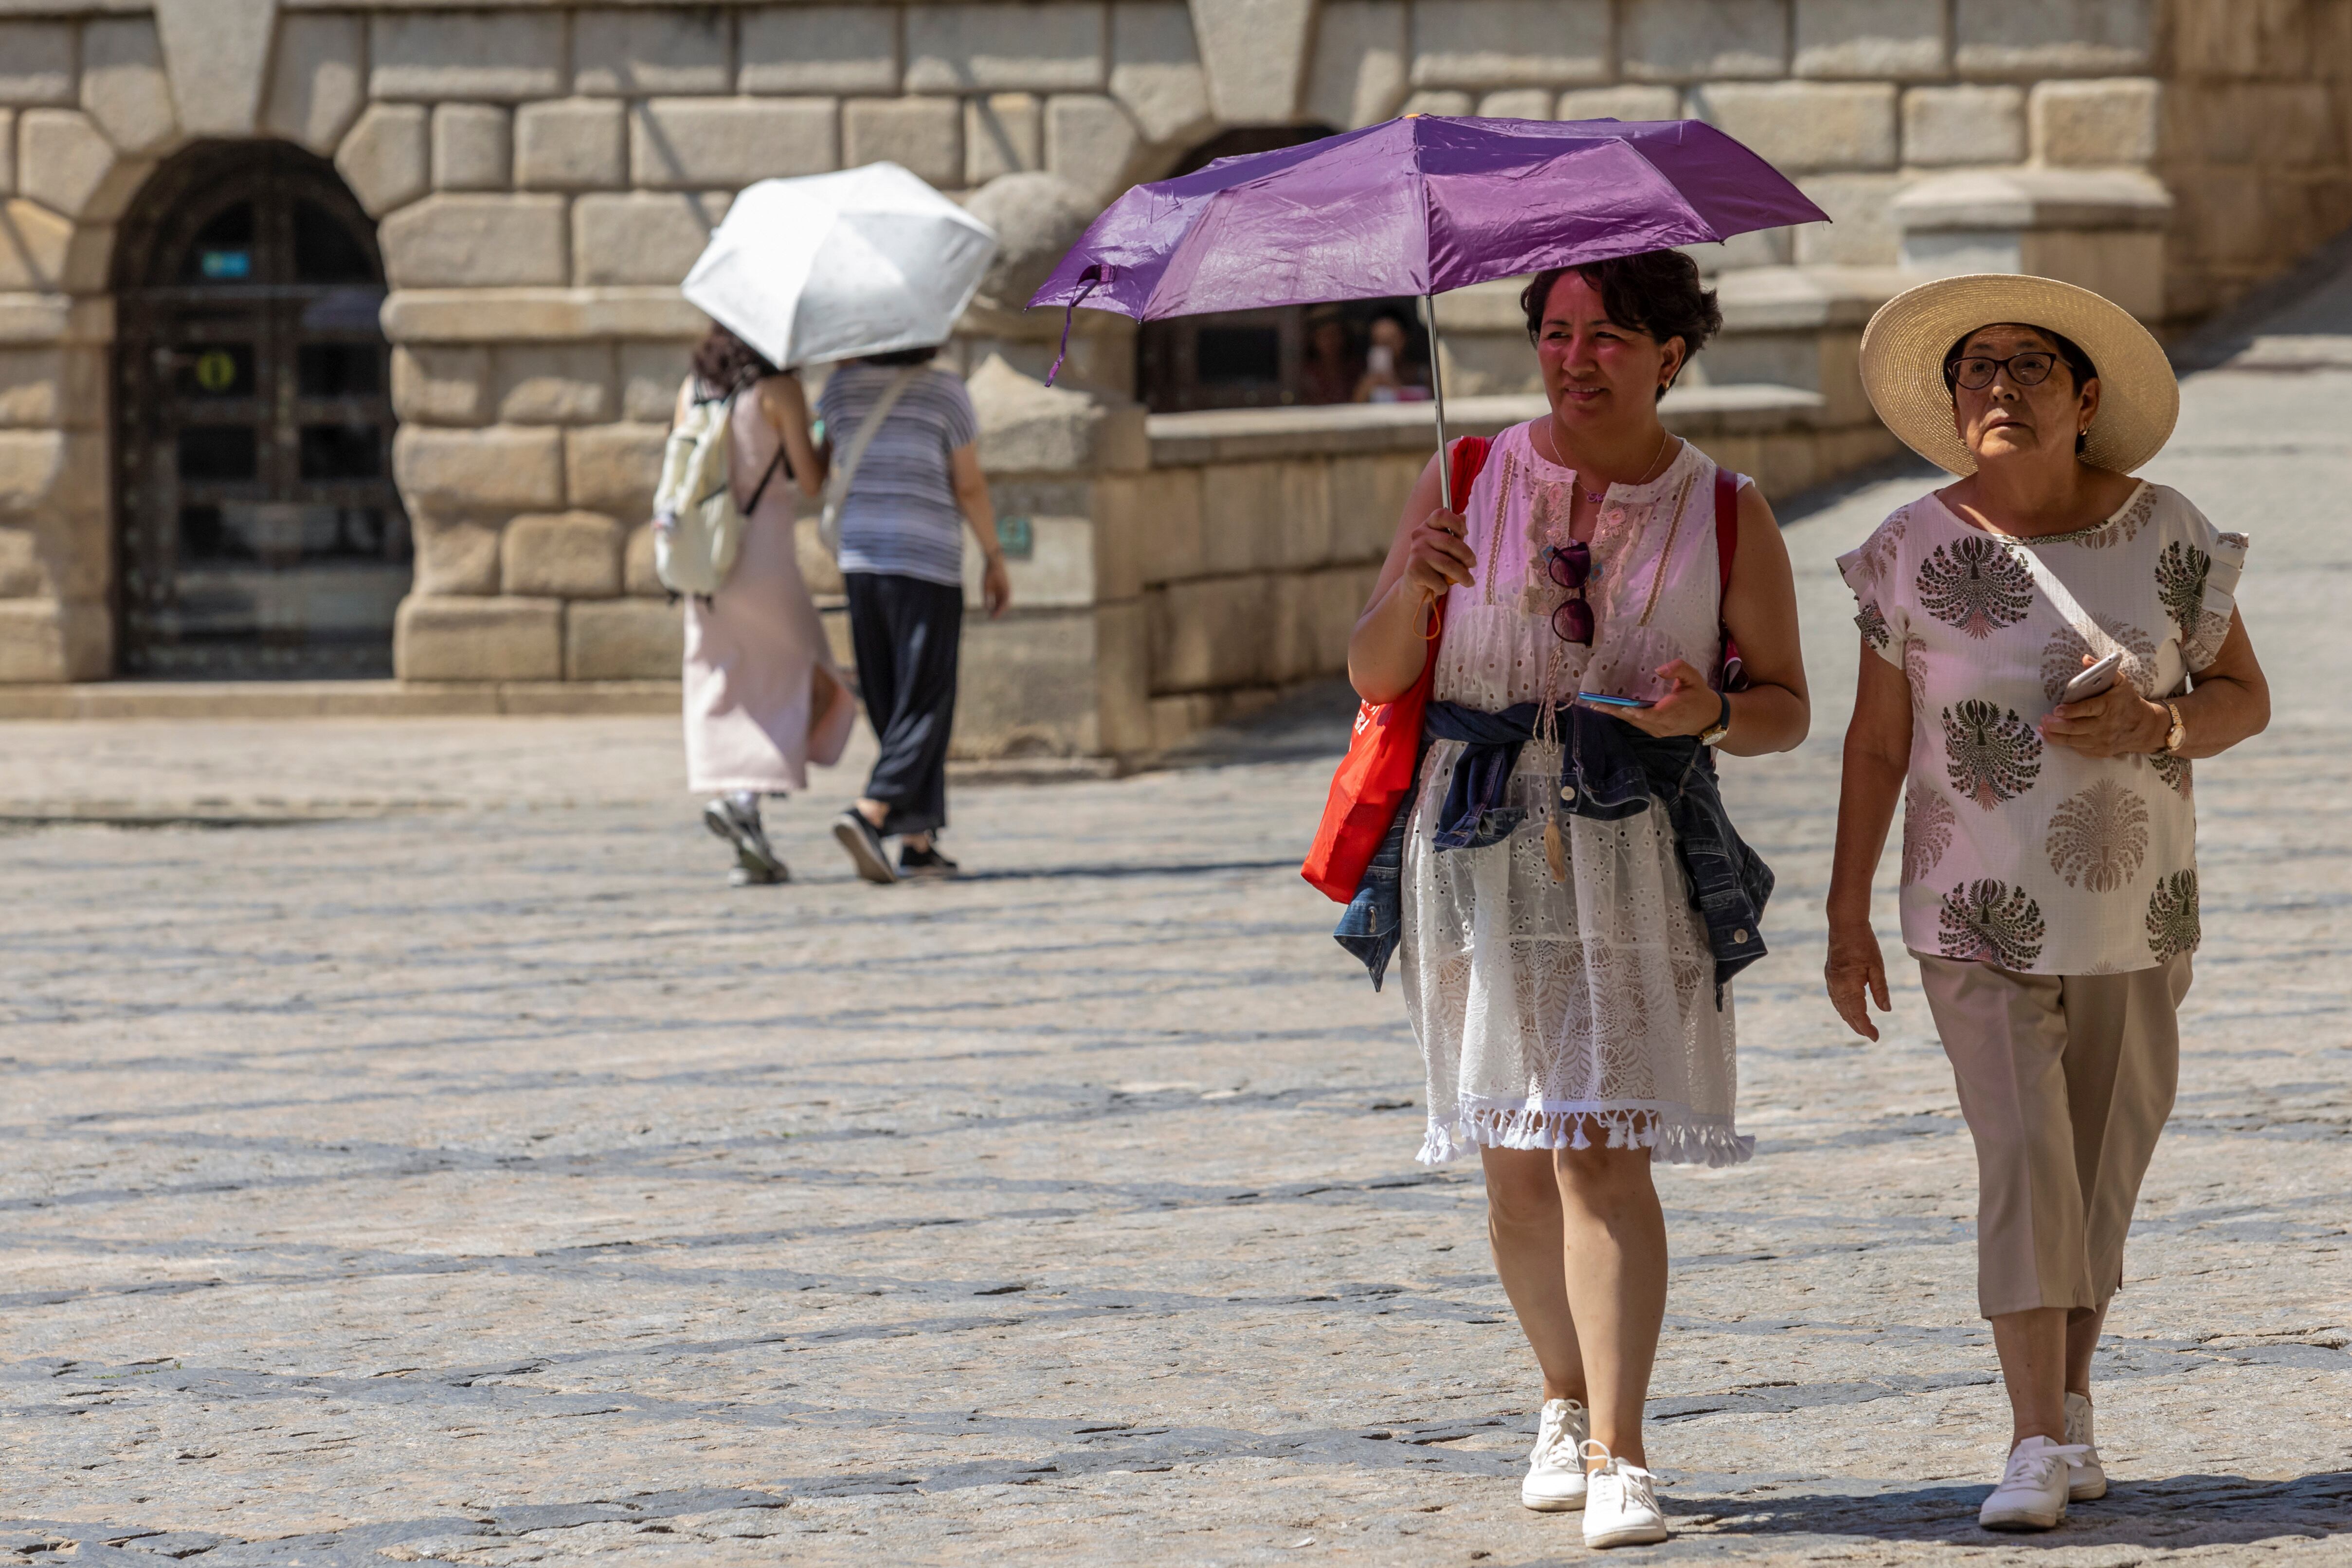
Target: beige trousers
{"x":2065,"y":1081}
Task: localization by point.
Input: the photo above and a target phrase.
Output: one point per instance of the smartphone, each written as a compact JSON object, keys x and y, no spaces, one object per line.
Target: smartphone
{"x":2094,"y":679}
{"x":1614,"y":702}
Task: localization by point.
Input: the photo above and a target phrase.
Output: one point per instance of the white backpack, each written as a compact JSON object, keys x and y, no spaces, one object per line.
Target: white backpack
{"x":697,"y":526}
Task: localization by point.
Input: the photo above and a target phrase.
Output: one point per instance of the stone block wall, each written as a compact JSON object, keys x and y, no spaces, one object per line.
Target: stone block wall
{"x":543,"y":173}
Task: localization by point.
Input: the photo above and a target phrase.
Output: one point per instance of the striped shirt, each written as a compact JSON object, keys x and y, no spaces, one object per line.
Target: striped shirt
{"x":900,"y":514}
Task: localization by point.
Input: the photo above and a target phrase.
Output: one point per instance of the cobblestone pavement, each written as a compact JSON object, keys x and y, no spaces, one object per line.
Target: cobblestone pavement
{"x":476,"y":1179}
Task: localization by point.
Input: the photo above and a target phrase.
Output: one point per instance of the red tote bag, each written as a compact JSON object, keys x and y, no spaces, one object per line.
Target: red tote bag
{"x":1376,"y":775}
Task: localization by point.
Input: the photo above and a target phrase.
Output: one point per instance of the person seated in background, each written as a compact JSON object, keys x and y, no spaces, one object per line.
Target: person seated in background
{"x":1388,"y":375}
{"x":1331,"y":364}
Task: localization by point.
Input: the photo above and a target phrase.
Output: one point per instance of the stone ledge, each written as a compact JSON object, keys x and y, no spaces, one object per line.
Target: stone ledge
{"x":538,"y":315}
{"x":2075,"y":199}
{"x":1805,"y":299}
{"x":55,"y":318}
{"x":332,"y":699}
{"x":1224,"y":435}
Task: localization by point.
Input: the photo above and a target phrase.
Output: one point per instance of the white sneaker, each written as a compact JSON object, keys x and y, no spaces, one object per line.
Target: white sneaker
{"x":1555,"y":1482}
{"x":1621,"y":1506}
{"x":2033,"y":1490}
{"x":2088,"y":1478}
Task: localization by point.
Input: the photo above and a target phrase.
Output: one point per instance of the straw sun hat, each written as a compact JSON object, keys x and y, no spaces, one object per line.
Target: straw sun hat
{"x":1903,"y":353}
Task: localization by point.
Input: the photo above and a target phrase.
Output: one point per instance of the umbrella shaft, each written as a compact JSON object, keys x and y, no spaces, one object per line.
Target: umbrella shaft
{"x":1437,"y":399}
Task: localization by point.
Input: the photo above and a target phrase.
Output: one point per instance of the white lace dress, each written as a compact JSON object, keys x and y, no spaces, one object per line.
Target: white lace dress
{"x":1564,"y":1013}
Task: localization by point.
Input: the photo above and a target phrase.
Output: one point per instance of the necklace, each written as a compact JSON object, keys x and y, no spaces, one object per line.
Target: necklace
{"x":1598,"y":496}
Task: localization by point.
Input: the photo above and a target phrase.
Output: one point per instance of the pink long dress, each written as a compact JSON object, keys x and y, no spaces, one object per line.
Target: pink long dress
{"x":763,"y":697}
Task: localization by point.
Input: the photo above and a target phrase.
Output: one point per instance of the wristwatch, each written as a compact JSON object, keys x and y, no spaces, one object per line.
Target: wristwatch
{"x":2177,"y":736}
{"x":1714,"y":733}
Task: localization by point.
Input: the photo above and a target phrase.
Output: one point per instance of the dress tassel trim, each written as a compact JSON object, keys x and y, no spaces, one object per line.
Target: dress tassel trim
{"x":1674,"y":1133}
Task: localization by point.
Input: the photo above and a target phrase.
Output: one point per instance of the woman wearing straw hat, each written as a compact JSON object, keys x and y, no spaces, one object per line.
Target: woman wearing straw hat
{"x":2049,"y":881}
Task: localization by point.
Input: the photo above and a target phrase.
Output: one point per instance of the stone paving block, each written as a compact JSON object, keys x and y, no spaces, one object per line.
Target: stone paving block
{"x":573,"y":144}
{"x":1053,"y":47}
{"x":1619,"y":103}
{"x":1803,"y":127}
{"x":495,"y":639}
{"x":1895,"y":40}
{"x":440,"y":54}
{"x":1440,"y":100}
{"x":1963,"y":124}
{"x":508,"y":466}
{"x":650,"y":374}
{"x":386,"y":159}
{"x":40,"y":250}
{"x":124,"y":86}
{"x":925,"y":135}
{"x":22,"y":576}
{"x":1003,"y":133}
{"x":1860,"y":231}
{"x":37,"y":62}
{"x":688,"y":144}
{"x":1358,"y":73}
{"x":2100,"y":121}
{"x":1155,"y":69}
{"x":2029,"y":38}
{"x":637,"y":53}
{"x":8,"y":152}
{"x":1696,"y":40}
{"x":464,"y":241}
{"x":51,"y":387}
{"x":435,"y":384}
{"x":1486,"y":44}
{"x":560,"y":555}
{"x":67,"y":164}
{"x":612,"y":468}
{"x":644,"y":236}
{"x":1092,"y":143}
{"x":318,"y":81}
{"x":820,"y":50}
{"x":555,"y":384}
{"x":473,"y":147}
{"x":456,"y":554}
{"x":1254,"y":54}
{"x":623,"y":640}
{"x":1206,"y":633}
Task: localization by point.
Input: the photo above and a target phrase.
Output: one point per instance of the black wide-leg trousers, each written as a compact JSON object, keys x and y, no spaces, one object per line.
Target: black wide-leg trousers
{"x":906,"y":633}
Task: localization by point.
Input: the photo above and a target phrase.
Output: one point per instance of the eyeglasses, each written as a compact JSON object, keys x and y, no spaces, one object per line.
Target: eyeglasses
{"x":1570,"y":566}
{"x":1976,"y":372}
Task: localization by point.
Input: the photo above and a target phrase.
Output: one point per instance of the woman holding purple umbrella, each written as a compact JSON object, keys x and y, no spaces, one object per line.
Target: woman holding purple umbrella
{"x":1567,"y":989}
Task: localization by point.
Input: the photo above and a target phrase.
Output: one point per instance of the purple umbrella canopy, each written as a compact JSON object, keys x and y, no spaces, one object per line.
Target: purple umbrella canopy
{"x":1418,"y":206}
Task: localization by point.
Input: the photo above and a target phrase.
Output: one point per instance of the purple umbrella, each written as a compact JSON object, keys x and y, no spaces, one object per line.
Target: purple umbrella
{"x":1418,"y":206}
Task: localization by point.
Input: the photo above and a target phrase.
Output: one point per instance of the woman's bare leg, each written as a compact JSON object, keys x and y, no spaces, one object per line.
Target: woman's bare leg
{"x":2032,"y":1349}
{"x":2083,"y":1326}
{"x":1523,"y":1224}
{"x":1616,"y":1279}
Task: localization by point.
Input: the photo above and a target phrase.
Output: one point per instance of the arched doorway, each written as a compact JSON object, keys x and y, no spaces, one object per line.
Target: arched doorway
{"x":261,"y":534}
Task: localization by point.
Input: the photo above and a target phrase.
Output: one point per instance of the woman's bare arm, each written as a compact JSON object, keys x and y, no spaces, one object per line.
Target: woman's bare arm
{"x":1877,"y":758}
{"x":971,"y":485}
{"x":1389,"y":645}
{"x":786,"y":407}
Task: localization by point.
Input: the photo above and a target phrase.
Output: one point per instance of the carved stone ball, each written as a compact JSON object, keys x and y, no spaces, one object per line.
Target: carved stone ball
{"x":1037,"y":218}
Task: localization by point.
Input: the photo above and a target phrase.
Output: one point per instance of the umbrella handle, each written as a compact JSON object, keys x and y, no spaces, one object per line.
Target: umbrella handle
{"x":1437,"y":390}
{"x":1094,"y":276}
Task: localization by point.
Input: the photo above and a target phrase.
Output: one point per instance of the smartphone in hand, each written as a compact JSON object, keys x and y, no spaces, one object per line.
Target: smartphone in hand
{"x":2094,"y":679}
{"x":1614,"y":702}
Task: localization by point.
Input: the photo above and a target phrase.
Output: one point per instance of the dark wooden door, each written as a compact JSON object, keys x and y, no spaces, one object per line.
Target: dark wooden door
{"x":261,"y":534}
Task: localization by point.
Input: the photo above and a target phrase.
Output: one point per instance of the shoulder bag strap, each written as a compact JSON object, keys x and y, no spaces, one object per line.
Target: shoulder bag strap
{"x":836,"y":484}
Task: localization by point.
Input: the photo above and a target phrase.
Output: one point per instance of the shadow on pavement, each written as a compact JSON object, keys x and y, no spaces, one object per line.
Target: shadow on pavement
{"x":2173,"y":1512}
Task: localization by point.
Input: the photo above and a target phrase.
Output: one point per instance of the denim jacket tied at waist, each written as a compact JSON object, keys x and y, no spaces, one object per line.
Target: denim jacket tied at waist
{"x":1609,"y":770}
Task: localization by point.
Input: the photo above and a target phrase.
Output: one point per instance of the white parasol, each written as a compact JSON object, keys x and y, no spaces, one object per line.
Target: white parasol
{"x":830,"y":266}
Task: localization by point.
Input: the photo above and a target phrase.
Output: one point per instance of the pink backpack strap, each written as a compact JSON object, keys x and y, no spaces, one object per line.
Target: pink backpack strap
{"x":1727,"y":527}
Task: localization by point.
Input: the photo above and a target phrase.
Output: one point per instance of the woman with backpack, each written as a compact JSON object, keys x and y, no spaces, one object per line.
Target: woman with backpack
{"x":1569,"y":900}
{"x":763,"y":695}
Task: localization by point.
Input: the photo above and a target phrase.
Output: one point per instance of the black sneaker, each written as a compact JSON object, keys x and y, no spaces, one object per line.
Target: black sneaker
{"x":749,"y":872}
{"x":856,"y":836}
{"x":928,"y":862}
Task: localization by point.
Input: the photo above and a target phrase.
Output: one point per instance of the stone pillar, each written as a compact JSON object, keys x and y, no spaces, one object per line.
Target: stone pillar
{"x":1064,"y":673}
{"x":2101,"y":229}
